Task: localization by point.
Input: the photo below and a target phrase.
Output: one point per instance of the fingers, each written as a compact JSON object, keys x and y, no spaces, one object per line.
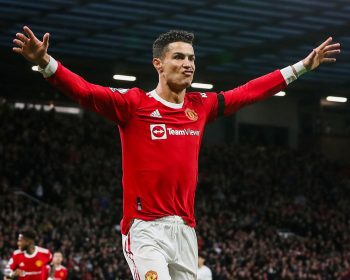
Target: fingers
{"x":18,"y":43}
{"x":22,"y":37}
{"x":29,"y":32}
{"x":332,"y":47}
{"x":330,"y":53}
{"x":17,"y":50}
{"x":325,"y":43}
{"x":46,"y":39}
{"x":328,"y":60}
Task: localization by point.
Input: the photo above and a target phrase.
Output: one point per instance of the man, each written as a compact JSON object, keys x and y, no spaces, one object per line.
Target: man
{"x":204,"y":272}
{"x":27,"y":263}
{"x":161,"y":132}
{"x":56,"y":271}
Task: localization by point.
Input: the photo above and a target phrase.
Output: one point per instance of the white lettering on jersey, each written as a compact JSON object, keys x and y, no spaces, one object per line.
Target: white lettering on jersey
{"x":156,"y":114}
{"x":158,"y":131}
{"x":185,"y":132}
{"x":121,"y":90}
{"x":203,"y":94}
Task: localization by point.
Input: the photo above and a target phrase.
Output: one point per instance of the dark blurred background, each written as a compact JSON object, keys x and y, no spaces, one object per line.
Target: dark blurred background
{"x":274,"y":187}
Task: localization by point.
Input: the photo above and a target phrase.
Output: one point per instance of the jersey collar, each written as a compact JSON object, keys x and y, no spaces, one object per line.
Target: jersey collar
{"x":32,"y":255}
{"x":154,"y":94}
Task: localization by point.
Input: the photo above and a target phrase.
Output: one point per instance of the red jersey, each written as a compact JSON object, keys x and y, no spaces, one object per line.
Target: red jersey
{"x":33,"y":265}
{"x":60,"y":273}
{"x":161,"y":140}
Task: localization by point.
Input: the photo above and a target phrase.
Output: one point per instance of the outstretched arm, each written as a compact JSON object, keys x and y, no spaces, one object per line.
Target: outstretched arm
{"x":268,"y":85}
{"x":107,"y":102}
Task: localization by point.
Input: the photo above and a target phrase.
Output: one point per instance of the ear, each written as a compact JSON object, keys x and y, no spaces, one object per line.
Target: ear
{"x":157,"y":63}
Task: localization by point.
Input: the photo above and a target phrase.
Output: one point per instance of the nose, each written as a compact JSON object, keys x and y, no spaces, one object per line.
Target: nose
{"x":187,"y":63}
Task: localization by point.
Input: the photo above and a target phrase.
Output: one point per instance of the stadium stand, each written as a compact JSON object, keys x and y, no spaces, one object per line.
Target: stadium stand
{"x":262,"y":212}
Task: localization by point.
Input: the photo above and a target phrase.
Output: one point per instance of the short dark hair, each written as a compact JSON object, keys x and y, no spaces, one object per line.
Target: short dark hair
{"x":28,"y":234}
{"x":161,"y":43}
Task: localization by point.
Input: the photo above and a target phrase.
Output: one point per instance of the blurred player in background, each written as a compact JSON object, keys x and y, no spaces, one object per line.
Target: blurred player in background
{"x":161,"y":132}
{"x":29,"y":261}
{"x":204,"y":272}
{"x":56,"y":271}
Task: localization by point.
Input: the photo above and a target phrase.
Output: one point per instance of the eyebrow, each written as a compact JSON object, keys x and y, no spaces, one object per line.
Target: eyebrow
{"x":188,"y":54}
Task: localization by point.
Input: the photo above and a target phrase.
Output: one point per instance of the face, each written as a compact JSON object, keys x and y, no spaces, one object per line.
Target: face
{"x":201,"y":261}
{"x":23,"y":243}
{"x":177,"y":66}
{"x":57,"y":258}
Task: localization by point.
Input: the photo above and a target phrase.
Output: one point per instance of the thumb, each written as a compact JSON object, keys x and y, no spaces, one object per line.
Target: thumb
{"x":312,"y":54}
{"x":46,"y":39}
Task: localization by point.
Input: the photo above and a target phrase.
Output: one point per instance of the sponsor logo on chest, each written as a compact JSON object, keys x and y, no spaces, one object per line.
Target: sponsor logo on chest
{"x":158,"y":131}
{"x":161,"y":131}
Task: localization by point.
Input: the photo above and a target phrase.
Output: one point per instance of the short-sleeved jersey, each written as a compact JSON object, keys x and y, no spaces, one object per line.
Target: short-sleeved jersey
{"x":161,"y":140}
{"x":33,"y":265}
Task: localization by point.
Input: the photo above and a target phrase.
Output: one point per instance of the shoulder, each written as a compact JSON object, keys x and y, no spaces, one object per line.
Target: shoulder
{"x":201,"y":97}
{"x":43,"y":250}
{"x":126,"y":91}
{"x":207,"y":270}
{"x":16,"y":256}
{"x":17,"y":252}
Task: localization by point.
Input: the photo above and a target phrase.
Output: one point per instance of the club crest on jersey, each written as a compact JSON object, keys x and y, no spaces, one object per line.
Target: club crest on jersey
{"x":158,"y":131}
{"x":151,"y":275}
{"x":191,"y":114}
{"x":21,"y":264}
{"x":121,"y":90}
{"x":39,"y":263}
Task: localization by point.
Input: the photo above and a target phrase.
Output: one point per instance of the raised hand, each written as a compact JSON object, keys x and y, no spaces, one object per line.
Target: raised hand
{"x":324,"y":53}
{"x":31,"y":47}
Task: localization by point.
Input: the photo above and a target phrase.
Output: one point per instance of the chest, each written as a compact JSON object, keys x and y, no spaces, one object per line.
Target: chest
{"x":160,"y":123}
{"x":35,"y":264}
{"x":59,"y":274}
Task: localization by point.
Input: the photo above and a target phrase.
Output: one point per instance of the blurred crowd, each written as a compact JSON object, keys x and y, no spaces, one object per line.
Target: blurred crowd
{"x":262,"y":212}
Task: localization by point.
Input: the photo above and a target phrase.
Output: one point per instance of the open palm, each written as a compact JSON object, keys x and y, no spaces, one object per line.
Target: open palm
{"x":324,"y":53}
{"x":31,"y":47}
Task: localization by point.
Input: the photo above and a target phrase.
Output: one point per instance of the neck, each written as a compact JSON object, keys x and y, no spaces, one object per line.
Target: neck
{"x":169,"y":94}
{"x":30,"y":250}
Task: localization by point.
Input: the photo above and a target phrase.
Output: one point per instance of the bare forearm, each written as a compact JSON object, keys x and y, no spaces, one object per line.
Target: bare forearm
{"x":44,"y":61}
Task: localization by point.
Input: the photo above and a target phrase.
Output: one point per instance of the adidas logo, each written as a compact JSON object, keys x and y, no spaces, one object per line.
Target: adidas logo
{"x":156,"y":114}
